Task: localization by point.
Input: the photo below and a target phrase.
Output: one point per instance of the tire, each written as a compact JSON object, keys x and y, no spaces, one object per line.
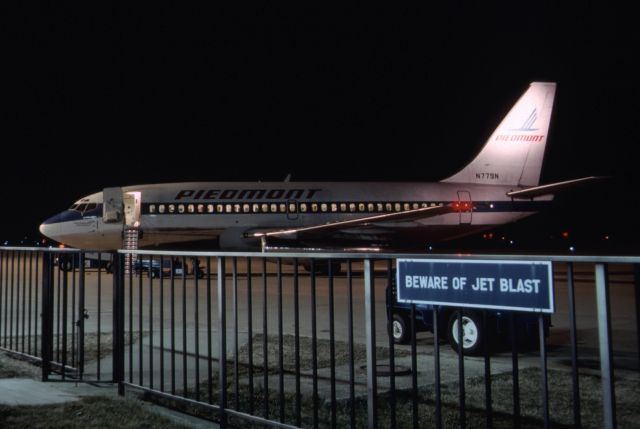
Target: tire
{"x":472,"y":332}
{"x":399,"y":329}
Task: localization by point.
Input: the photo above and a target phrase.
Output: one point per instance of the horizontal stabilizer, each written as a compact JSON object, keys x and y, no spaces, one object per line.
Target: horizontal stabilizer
{"x":553,"y":188}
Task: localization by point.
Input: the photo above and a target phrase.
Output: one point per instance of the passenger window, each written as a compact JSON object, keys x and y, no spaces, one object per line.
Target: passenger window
{"x":228,"y":208}
{"x":292,"y":207}
{"x":152,"y":208}
{"x":343,"y":207}
{"x":398,"y":207}
{"x":265,"y":208}
{"x":209,"y":208}
{"x":191,"y":208}
{"x":180,"y":208}
{"x":200,"y":208}
{"x":220,"y":208}
{"x":352,"y":207}
{"x":314,"y":207}
{"x":172,"y":208}
{"x":246,"y":208}
{"x":323,"y":207}
{"x":388,"y":207}
{"x":303,"y":207}
{"x":379,"y":207}
{"x":274,"y":208}
{"x":407,"y":206}
{"x":283,"y":208}
{"x":334,"y":207}
{"x":256,"y":208}
{"x":161,"y":208}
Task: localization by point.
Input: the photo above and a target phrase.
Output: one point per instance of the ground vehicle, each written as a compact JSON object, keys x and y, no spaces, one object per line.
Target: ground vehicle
{"x":474,"y":334}
{"x":153,"y":267}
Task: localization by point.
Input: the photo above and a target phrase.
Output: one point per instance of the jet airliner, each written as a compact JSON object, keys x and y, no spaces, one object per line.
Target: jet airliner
{"x":499,"y":186}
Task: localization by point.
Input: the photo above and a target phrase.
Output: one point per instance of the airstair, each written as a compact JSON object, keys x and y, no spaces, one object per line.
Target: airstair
{"x":131,"y":236}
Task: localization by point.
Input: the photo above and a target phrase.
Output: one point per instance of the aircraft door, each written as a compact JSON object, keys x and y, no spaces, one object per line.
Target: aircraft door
{"x":465,"y":208}
{"x":132,"y":205}
{"x":112,"y":205}
{"x":292,"y":209}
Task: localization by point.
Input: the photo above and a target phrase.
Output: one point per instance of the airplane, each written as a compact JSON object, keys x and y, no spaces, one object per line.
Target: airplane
{"x":500,"y":185}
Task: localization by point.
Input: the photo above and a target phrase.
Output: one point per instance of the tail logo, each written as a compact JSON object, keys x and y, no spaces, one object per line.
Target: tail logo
{"x":528,"y":123}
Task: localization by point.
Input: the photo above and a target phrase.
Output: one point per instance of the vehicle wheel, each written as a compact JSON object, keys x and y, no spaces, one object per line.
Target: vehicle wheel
{"x":65,"y":263}
{"x":109,"y":268}
{"x":399,"y":329}
{"x":472,"y":333}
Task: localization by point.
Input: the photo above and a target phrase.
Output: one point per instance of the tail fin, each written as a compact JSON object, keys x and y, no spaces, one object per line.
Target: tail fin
{"x":513,"y":154}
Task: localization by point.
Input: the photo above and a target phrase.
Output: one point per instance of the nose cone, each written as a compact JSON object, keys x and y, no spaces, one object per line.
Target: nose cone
{"x":53,"y":227}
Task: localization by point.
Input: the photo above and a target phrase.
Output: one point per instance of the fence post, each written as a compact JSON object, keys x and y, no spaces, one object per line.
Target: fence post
{"x":370,"y":327}
{"x":118,"y":321}
{"x":46,"y":339}
{"x":606,"y":355}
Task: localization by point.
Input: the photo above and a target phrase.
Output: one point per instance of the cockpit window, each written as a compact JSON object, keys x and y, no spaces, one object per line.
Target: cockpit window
{"x":73,"y":207}
{"x":81,"y":207}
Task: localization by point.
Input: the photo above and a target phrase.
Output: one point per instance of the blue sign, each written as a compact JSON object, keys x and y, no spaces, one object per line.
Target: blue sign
{"x":498,"y":285}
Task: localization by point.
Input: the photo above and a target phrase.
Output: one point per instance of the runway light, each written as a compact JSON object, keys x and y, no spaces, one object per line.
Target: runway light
{"x":565,"y":234}
{"x":606,"y":237}
{"x":572,"y":249}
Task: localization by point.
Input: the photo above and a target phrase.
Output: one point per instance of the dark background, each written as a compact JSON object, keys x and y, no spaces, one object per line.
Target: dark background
{"x":108,"y":94}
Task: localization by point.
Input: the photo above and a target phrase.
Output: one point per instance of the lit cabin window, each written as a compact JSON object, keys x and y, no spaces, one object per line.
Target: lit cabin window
{"x":200,"y":208}
{"x":292,"y":207}
{"x":256,"y":208}
{"x":180,"y":208}
{"x":236,"y":208}
{"x":323,"y":207}
{"x":191,"y":208}
{"x":424,"y":205}
{"x":334,"y":207}
{"x":172,"y":208}
{"x":415,"y":206}
{"x":274,"y":208}
{"x":209,"y":208}
{"x":398,"y":207}
{"x":283,"y":207}
{"x":152,"y":208}
{"x":220,"y":208}
{"x":388,"y":207}
{"x":343,"y":207}
{"x":228,"y":208}
{"x":433,"y":204}
{"x":361,"y":207}
{"x":314,"y":207}
{"x":406,"y":206}
{"x":246,"y":208}
{"x":161,"y":208}
{"x":379,"y":207}
{"x":303,"y":207}
{"x":265,"y":208}
{"x":352,"y":207}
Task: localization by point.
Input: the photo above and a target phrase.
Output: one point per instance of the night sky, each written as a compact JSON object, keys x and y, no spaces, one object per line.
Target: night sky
{"x":98,"y":94}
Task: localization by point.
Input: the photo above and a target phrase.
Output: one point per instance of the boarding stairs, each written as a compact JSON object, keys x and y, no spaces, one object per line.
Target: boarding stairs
{"x":131,"y":236}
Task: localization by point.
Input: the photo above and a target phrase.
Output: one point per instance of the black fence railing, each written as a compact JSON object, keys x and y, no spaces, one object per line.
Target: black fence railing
{"x":315,"y":340}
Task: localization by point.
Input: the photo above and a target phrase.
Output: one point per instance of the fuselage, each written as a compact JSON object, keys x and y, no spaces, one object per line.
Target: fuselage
{"x":220,"y":215}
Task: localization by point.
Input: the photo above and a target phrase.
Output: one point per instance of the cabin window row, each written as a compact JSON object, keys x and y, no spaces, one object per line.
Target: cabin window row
{"x":286,"y":207}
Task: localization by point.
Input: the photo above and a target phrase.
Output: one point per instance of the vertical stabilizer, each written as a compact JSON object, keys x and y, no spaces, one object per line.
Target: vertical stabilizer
{"x":514,"y":152}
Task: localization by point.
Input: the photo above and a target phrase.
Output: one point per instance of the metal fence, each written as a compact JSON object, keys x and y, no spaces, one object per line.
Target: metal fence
{"x":304,"y":340}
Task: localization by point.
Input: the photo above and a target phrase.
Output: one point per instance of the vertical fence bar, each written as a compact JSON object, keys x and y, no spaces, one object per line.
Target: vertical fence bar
{"x":543,"y":369}
{"x":140,"y":326}
{"x":606,"y":354}
{"x":574,"y":347}
{"x":31,"y":303}
{"x":236,"y":352}
{"x":487,"y":374}
{"x":280,"y":345}
{"x":352,"y":373}
{"x":463,"y":411}
{"x":161,"y":315}
{"x":65,"y":315}
{"x":332,"y":344}
{"x":265,"y":350}
{"x":222,"y":338}
{"x":184,"y":326}
{"x":636,"y":287}
{"x":46,"y":337}
{"x":23,"y":259}
{"x":82,"y":312}
{"x":250,"y":333}
{"x":389,"y":295}
{"x":3,"y":301}
{"x":99,"y":321}
{"x":515,"y":372}
{"x":74,"y":321}
{"x":314,"y":344}
{"x":296,"y":323}
{"x":151,"y":260}
{"x":35,"y":331}
{"x":414,"y":371}
{"x":209,"y":335}
{"x":173,"y":325}
{"x":370,"y":332}
{"x":118,"y":321}
{"x":436,"y":369}
{"x":196,"y":320}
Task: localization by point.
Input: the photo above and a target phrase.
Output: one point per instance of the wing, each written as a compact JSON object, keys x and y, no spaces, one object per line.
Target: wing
{"x":414,"y":214}
{"x":553,"y":188}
